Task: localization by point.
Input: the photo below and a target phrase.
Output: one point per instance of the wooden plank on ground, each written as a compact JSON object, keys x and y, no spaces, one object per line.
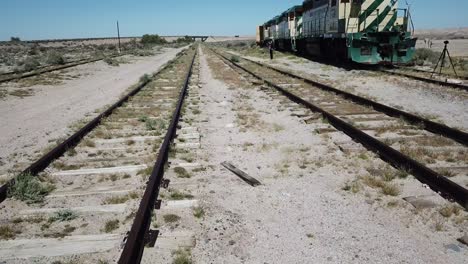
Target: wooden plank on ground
{"x":250,"y":180}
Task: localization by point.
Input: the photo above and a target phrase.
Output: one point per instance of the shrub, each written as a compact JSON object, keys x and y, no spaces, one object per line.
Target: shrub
{"x":15,"y":39}
{"x":185,"y":39}
{"x":28,"y":188}
{"x":63,"y":215}
{"x":55,"y":58}
{"x":30,"y":64}
{"x":235,"y":58}
{"x":181,"y":172}
{"x":171,"y":218}
{"x":111,"y":62}
{"x":7,"y":233}
{"x":182,"y":256}
{"x":449,"y":210}
{"x":198,"y":212}
{"x":145,"y":79}
{"x":422,"y":55}
{"x":152,"y":39}
{"x":111,"y":225}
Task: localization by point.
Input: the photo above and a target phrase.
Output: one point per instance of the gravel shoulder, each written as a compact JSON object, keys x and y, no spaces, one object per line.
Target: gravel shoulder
{"x":441,"y":104}
{"x":31,"y":123}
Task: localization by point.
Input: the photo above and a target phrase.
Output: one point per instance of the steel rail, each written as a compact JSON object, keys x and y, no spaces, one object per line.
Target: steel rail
{"x":74,"y":139}
{"x":57,"y":68}
{"x":38,"y":68}
{"x":453,"y":85}
{"x":428,"y":72}
{"x":135,"y":242}
{"x":434,"y":180}
{"x":434,"y":127}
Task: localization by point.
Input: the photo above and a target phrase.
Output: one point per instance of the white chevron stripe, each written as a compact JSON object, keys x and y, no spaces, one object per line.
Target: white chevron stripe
{"x":373,"y":16}
{"x":385,"y":21}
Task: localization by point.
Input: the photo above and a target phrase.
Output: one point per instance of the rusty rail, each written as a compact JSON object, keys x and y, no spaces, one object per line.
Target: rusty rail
{"x":434,"y":127}
{"x":135,"y":242}
{"x":74,"y":139}
{"x":434,"y":180}
{"x":419,"y":78}
{"x":45,"y":69}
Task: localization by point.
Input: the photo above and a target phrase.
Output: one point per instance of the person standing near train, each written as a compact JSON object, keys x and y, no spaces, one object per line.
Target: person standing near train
{"x":270,"y":47}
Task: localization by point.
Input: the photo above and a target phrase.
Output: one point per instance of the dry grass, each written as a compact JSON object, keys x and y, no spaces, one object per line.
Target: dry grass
{"x":21,"y":93}
{"x":176,"y":195}
{"x":171,"y":218}
{"x":89,"y":143}
{"x":198,"y":212}
{"x":419,"y":153}
{"x":385,"y":187}
{"x":446,"y":173}
{"x":353,"y":187}
{"x":449,"y":210}
{"x":182,"y":256}
{"x":182,"y":172}
{"x":121,"y":199}
{"x":111,"y":225}
{"x":7,"y":233}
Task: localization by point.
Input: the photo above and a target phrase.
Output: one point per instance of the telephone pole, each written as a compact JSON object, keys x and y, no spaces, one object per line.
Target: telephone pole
{"x":118,"y":35}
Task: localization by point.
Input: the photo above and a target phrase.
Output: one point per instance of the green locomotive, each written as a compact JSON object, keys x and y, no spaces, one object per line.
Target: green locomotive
{"x":363,"y":31}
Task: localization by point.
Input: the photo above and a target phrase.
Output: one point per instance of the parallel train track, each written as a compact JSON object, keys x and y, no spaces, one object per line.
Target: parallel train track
{"x":420,"y":75}
{"x":424,"y":76}
{"x":430,"y":151}
{"x":17,"y":75}
{"x":99,"y":174}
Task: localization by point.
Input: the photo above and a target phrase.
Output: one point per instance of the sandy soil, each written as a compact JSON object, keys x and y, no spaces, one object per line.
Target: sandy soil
{"x":456,"y":47}
{"x":441,"y":104}
{"x":299,"y":214}
{"x":31,"y":123}
{"x":442,"y":33}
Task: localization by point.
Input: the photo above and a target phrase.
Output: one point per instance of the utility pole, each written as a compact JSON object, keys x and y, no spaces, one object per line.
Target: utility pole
{"x":118,"y":35}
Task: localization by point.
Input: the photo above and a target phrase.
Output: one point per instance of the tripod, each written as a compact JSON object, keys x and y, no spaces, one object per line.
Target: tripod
{"x":441,"y":60}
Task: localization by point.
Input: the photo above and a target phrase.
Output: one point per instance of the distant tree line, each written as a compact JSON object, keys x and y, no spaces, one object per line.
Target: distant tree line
{"x":156,"y":39}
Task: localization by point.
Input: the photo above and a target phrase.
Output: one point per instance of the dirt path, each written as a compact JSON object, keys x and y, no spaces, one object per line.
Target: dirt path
{"x":31,"y":123}
{"x":302,"y":212}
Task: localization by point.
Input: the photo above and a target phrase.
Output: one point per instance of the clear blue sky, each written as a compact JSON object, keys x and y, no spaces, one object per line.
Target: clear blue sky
{"x":47,"y":19}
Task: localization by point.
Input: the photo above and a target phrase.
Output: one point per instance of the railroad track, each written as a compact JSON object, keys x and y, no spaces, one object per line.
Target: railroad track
{"x":428,"y":73}
{"x":11,"y":76}
{"x":425,"y":77}
{"x":420,"y":75}
{"x":430,"y":151}
{"x":100,"y":183}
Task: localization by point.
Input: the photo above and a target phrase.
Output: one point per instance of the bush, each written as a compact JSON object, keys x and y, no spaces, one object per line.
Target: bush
{"x":185,"y":39}
{"x":63,"y":215}
{"x":111,"y":62}
{"x":422,"y":55}
{"x":28,"y":188}
{"x":30,"y":64}
{"x":6,"y":233}
{"x":235,"y":58}
{"x":55,"y":58}
{"x":111,"y":225}
{"x":152,"y":39}
{"x":145,"y":79}
{"x":15,"y":39}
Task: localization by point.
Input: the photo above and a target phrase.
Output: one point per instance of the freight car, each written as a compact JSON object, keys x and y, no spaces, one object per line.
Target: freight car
{"x":363,"y":31}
